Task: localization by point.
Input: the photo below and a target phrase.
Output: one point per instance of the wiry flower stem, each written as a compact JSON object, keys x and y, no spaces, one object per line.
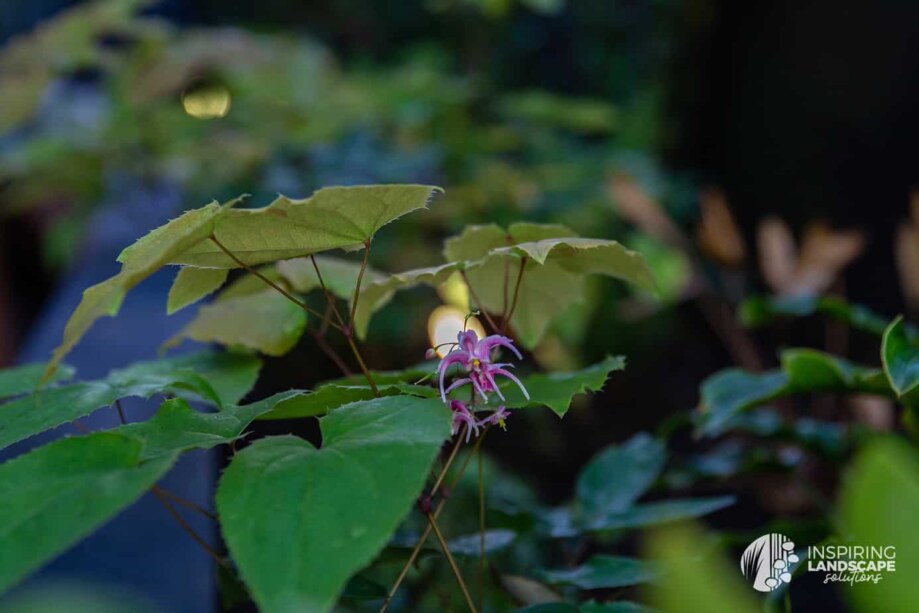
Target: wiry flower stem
{"x":510,"y":313}
{"x":345,"y":330}
{"x":269,"y":282}
{"x":478,"y":302}
{"x":456,"y":571}
{"x":437,"y":511}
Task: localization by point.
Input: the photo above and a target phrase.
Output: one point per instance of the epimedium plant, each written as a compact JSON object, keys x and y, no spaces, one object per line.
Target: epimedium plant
{"x":299,"y":520}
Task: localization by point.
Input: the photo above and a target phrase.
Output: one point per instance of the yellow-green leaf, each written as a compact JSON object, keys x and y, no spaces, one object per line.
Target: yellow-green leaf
{"x":138,"y":262}
{"x":193,"y":284}
{"x":267,"y":322}
{"x":332,"y":218}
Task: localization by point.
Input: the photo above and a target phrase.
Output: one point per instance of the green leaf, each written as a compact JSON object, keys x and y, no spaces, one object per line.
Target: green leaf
{"x":340,"y":276}
{"x":760,"y":311}
{"x":52,"y":497}
{"x":47,"y":408}
{"x":193,"y":284}
{"x":550,"y":607}
{"x":299,"y":521}
{"x":332,"y":218}
{"x":662,"y":512}
{"x":603,"y":572}
{"x":697,"y":578}
{"x":552,"y":272}
{"x":878,"y":506}
{"x":617,"y":476}
{"x":177,"y":427}
{"x":556,"y":390}
{"x":726,"y":394}
{"x":476,"y":242}
{"x":26,"y":378}
{"x":552,"y":280}
{"x":249,"y":284}
{"x":618,"y":606}
{"x":267,"y":322}
{"x":900,"y":355}
{"x":469,"y":544}
{"x":377,"y":294}
{"x":138,"y":262}
{"x":230,"y":375}
{"x":329,"y":397}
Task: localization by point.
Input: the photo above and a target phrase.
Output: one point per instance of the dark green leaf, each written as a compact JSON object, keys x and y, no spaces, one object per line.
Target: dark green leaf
{"x":618,"y":475}
{"x":469,"y":545}
{"x":329,"y":397}
{"x":556,"y":390}
{"x":662,"y":512}
{"x":762,"y":310}
{"x":47,"y":408}
{"x":604,"y":572}
{"x":550,"y":607}
{"x":54,"y":496}
{"x":299,"y":521}
{"x":618,"y":606}
{"x":730,"y":392}
{"x":178,"y":427}
{"x":24,"y":379}
{"x":725,"y":394}
{"x":900,"y":355}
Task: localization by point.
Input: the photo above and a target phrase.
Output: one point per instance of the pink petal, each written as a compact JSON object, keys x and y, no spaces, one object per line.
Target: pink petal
{"x":504,"y":373}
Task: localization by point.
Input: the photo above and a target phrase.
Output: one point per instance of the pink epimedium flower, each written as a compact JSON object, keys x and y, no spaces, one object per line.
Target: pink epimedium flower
{"x":462,"y":415}
{"x":497,"y":418}
{"x":474,"y":356}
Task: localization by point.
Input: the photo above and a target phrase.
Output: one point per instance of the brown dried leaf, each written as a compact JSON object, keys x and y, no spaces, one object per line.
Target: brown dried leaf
{"x":777,"y":254}
{"x":717,"y":233}
{"x":639,"y":207}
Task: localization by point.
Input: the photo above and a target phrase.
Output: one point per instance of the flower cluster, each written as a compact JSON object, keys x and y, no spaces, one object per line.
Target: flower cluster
{"x":474,"y":357}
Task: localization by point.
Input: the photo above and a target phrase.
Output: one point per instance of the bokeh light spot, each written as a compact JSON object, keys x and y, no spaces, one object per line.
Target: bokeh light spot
{"x":206,"y":100}
{"x":445,"y":322}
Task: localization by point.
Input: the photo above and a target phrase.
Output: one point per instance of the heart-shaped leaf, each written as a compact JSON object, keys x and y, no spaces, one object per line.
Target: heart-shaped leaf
{"x":299,"y":521}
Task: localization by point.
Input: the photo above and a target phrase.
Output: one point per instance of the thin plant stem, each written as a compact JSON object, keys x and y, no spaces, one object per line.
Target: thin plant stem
{"x":482,"y":562}
{"x":330,"y":299}
{"x":344,"y":330}
{"x":327,"y":349}
{"x":362,"y":364}
{"x":190,"y":531}
{"x":348,"y":330}
{"x":271,"y":283}
{"x":427,"y":530}
{"x":450,"y":458}
{"x":188,"y":504}
{"x":478,"y":302}
{"x":357,"y":286}
{"x":510,"y":313}
{"x":456,"y":571}
{"x":120,"y":410}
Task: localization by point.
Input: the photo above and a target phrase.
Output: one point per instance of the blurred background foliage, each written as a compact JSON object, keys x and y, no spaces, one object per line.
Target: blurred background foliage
{"x":764,"y":187}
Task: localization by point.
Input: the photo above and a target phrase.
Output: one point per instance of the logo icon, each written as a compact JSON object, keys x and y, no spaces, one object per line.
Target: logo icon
{"x":766,"y":561}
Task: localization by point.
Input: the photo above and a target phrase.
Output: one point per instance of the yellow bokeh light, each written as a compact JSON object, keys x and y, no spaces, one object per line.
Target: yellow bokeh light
{"x":206,"y":101}
{"x":445,"y":322}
